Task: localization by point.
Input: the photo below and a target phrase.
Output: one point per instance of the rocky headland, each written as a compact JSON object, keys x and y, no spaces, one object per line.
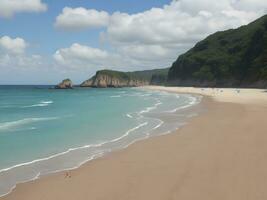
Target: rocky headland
{"x":108,"y":78}
{"x":111,"y":78}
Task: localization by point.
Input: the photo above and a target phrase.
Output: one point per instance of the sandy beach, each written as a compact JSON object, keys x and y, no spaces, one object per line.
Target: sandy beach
{"x":220,"y":154}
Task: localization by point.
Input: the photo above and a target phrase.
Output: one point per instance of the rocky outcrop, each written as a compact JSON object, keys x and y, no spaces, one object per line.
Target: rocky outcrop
{"x":88,"y":83}
{"x":65,"y":84}
{"x":108,"y":78}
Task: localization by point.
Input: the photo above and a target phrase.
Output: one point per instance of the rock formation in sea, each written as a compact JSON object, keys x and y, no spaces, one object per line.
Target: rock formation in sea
{"x":65,"y":84}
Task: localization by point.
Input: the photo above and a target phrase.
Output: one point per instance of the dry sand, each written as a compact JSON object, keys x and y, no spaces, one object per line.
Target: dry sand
{"x":233,"y":95}
{"x":219,"y":155}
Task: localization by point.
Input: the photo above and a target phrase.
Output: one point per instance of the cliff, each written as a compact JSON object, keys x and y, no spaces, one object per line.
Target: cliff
{"x":232,"y":58}
{"x":110,"y":78}
{"x":159,"y":77}
{"x":65,"y":84}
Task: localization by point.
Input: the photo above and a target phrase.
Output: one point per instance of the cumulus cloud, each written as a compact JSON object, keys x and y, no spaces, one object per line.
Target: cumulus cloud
{"x":22,"y":62}
{"x":12,"y":53}
{"x":164,"y":33}
{"x":9,"y":7}
{"x":180,"y":22}
{"x":157,"y":36}
{"x":250,"y":5}
{"x":148,"y":55}
{"x":15,"y":46}
{"x":77,"y":52}
{"x":81,"y":18}
{"x":83,"y":56}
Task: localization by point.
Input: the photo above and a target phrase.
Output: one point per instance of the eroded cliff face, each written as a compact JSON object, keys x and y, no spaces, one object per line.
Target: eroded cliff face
{"x":107,"y":80}
{"x":65,"y":84}
{"x":88,"y":83}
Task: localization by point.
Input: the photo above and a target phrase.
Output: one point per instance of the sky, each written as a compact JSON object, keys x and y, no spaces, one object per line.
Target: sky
{"x":45,"y":41}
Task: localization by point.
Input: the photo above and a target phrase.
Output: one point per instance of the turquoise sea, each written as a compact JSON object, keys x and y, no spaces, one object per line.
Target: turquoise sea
{"x":44,"y":130}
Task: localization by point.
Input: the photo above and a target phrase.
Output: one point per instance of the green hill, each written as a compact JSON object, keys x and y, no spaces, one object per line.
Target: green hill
{"x":154,"y":76}
{"x":236,"y":57}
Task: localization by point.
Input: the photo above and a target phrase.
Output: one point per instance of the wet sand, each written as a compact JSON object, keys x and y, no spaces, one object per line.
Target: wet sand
{"x":220,"y":154}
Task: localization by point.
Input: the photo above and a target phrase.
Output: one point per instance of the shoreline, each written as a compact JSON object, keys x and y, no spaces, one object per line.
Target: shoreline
{"x":196,"y":98}
{"x":227,"y":95}
{"x":40,"y":184}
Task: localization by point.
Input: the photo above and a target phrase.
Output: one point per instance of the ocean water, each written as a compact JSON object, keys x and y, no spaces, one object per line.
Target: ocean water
{"x":44,"y":130}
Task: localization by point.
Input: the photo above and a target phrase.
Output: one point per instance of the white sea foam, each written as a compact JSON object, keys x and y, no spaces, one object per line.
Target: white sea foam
{"x":40,"y":104}
{"x":17,"y":123}
{"x":47,"y":102}
{"x":159,"y":125}
{"x":144,"y":123}
{"x":150,"y":108}
{"x":36,"y":105}
{"x":73,"y":149}
{"x":14,"y":186}
{"x":129,"y":115}
{"x":116,"y":96}
{"x":96,"y":155}
{"x":129,"y":131}
{"x":137,"y":94}
{"x":193,"y":101}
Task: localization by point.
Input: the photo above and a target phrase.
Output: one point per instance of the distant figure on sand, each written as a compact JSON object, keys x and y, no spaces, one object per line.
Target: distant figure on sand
{"x":67,"y":175}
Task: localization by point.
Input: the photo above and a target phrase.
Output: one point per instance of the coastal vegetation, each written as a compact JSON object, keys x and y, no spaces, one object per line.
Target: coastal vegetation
{"x":231,"y":58}
{"x":236,"y":57}
{"x":111,"y":78}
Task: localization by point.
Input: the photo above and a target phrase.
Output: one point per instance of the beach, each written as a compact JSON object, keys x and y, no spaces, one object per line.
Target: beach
{"x":220,"y":154}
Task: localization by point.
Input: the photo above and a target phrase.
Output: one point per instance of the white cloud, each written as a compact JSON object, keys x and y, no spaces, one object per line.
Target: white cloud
{"x":12,"y":53}
{"x":20,"y":61}
{"x":79,"y":53}
{"x":144,"y":53}
{"x":15,"y":46}
{"x":9,"y":7}
{"x":81,"y":18}
{"x":180,"y":22}
{"x":250,"y":5}
{"x":82,"y":56}
{"x":157,"y":36}
{"x":164,"y":33}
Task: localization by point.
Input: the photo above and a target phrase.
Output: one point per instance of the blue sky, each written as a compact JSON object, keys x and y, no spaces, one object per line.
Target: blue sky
{"x":38,"y":29}
{"x":44,"y":41}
